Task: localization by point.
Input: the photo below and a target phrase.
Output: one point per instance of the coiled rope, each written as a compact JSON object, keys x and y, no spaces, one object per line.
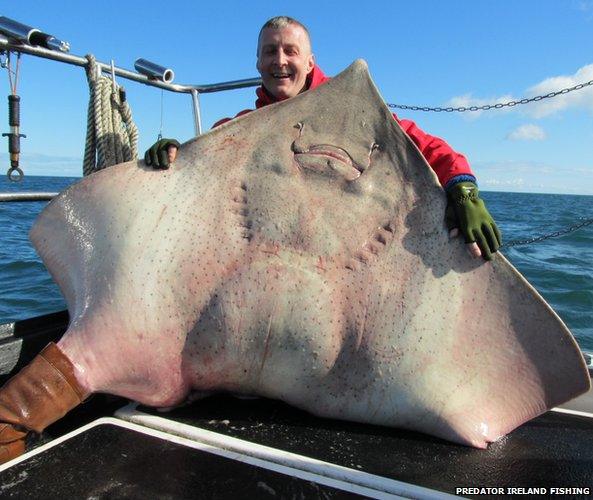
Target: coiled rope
{"x":111,"y":134}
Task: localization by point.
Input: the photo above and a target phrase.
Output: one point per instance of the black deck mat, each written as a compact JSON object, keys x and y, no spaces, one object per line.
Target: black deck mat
{"x":553,"y":450}
{"x":108,"y":461}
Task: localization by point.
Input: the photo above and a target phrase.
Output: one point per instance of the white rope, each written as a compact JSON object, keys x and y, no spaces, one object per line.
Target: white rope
{"x":111,"y":134}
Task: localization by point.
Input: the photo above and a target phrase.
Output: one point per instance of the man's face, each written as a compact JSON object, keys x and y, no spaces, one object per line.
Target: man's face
{"x":284,"y":60}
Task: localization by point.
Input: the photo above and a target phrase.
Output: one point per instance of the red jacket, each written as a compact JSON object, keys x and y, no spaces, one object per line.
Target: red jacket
{"x":449,"y":165}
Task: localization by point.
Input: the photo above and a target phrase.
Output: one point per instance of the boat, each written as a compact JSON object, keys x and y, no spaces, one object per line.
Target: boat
{"x":228,"y":446}
{"x":225,"y":446}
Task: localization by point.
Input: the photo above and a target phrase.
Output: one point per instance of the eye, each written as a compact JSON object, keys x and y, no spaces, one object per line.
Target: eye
{"x":299,"y":126}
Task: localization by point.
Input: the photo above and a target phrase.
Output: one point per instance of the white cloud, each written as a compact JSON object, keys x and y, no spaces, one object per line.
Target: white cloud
{"x":527,"y":132}
{"x":467,"y":101}
{"x":498,"y":183}
{"x":578,"y":99}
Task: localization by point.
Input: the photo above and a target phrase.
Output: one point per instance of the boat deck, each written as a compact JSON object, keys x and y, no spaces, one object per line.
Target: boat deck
{"x":222,"y":446}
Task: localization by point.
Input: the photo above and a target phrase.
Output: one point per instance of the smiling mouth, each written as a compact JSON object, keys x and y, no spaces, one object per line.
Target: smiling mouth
{"x":281,"y":76}
{"x":328,"y":160}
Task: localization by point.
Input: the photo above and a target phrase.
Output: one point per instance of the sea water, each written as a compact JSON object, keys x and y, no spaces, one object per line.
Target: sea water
{"x":561,"y":268}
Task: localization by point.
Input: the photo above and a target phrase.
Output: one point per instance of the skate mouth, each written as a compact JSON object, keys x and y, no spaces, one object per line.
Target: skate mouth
{"x":329,"y":160}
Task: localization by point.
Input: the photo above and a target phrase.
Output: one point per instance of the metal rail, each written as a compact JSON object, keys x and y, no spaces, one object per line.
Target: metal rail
{"x":31,"y":196}
{"x":192,"y":89}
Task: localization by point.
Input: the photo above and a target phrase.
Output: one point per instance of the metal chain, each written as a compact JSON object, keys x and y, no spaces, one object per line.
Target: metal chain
{"x":555,"y":234}
{"x":493,"y":106}
{"x":509,"y":104}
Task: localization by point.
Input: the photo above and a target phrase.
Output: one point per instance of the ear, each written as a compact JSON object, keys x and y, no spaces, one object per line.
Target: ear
{"x":310,"y":63}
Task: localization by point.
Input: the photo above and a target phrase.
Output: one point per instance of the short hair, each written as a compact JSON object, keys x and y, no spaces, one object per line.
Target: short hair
{"x":280,"y":22}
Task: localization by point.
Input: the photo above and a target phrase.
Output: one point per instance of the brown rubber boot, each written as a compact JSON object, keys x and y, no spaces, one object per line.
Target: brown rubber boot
{"x":41,"y":393}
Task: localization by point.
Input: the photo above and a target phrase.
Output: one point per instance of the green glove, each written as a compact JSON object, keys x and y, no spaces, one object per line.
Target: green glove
{"x":157,"y":155}
{"x":466,"y":211}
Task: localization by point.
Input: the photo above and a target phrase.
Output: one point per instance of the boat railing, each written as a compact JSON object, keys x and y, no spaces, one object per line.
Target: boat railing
{"x":194,"y":90}
{"x":27,"y":196}
{"x":19,"y":38}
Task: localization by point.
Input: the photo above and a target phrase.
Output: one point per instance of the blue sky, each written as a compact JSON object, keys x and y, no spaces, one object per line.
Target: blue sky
{"x":432,"y":53}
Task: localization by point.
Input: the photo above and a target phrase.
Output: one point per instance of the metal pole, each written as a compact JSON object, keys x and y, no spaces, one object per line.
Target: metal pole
{"x":235,"y":84}
{"x":6,"y":45}
{"x":195,"y":99}
{"x":27,"y":196}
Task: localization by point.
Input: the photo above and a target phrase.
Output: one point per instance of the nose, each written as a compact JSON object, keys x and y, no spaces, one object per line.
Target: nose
{"x":280,"y":58}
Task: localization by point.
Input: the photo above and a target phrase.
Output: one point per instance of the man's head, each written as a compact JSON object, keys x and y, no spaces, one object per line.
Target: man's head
{"x":284,"y":57}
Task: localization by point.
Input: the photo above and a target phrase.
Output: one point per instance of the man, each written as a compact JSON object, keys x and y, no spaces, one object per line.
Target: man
{"x":287,"y":68}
